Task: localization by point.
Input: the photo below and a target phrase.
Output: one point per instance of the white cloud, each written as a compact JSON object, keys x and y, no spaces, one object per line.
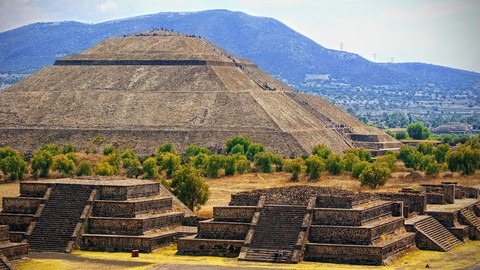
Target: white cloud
{"x":107,"y":6}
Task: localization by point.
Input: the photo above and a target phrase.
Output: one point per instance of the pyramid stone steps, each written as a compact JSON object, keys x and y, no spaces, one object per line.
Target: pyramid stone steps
{"x":434,"y":232}
{"x":54,"y":228}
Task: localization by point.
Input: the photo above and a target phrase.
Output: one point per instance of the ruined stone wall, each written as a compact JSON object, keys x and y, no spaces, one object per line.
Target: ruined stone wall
{"x":4,"y":233}
{"x":332,"y":216}
{"x":448,"y":219}
{"x":131,"y":226}
{"x":223,"y":230}
{"x":32,"y":189}
{"x":121,"y":193}
{"x":21,"y":205}
{"x":129,"y":209}
{"x":217,"y":247}
{"x":245,"y":199}
{"x":435,"y":198}
{"x":111,"y":243}
{"x":468,"y":192}
{"x":412,"y":202}
{"x":232,"y":213}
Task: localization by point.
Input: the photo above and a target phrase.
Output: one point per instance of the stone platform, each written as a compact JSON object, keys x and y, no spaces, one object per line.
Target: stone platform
{"x":94,"y":214}
{"x":291,"y":224}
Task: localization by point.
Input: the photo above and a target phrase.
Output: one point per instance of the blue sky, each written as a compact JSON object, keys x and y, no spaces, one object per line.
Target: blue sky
{"x":441,"y":32}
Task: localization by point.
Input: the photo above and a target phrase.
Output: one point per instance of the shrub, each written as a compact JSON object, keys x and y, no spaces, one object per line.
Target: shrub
{"x":12,"y":163}
{"x":363,"y":154}
{"x":107,"y":150}
{"x":418,"y":131}
{"x":315,"y":166}
{"x":432,"y":169}
{"x":254,"y":149}
{"x":231,"y":165}
{"x":295,"y":166}
{"x":441,"y":152}
{"x":334,"y":164}
{"x":68,"y":148}
{"x":52,"y":148}
{"x":63,"y":164}
{"x":242,"y":140}
{"x":349,"y":160}
{"x":389,"y":159}
{"x":374,"y":175}
{"x":322,"y":151}
{"x":263,"y":161}
{"x":194,"y":150}
{"x":84,"y":168}
{"x":465,"y":160}
{"x":243,"y":164}
{"x":114,"y":160}
{"x":150,"y":167}
{"x":104,"y":168}
{"x":200,"y":162}
{"x":425,"y":148}
{"x":214,"y":164}
{"x":237,"y":149}
{"x":426,"y":160}
{"x":401,"y":135}
{"x":358,"y":168}
{"x":189,"y":187}
{"x":168,"y":162}
{"x":166,"y":148}
{"x":41,"y":161}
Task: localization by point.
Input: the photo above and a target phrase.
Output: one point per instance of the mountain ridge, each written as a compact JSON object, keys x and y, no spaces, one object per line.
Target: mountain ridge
{"x":276,"y":48}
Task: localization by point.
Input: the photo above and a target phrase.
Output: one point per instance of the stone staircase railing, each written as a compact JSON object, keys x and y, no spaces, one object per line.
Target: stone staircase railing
{"x":38,"y":214}
{"x":302,"y":239}
{"x":82,"y":225}
{"x":469,"y":218}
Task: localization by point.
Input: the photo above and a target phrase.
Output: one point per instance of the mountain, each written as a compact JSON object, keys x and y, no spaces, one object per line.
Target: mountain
{"x":276,"y":48}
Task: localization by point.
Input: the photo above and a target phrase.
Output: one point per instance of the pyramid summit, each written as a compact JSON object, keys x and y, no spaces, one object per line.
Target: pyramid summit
{"x":140,"y":90}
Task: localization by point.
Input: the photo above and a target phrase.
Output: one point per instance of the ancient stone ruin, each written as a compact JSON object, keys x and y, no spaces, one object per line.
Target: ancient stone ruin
{"x":94,"y":214}
{"x":329,"y":225}
{"x":141,"y":90}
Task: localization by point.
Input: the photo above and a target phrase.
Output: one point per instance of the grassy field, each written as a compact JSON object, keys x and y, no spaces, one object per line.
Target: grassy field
{"x":460,"y":257}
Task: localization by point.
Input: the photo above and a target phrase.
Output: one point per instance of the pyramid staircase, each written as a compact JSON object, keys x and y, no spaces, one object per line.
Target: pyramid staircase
{"x":433,"y":235}
{"x":278,"y":226}
{"x":5,"y":264}
{"x":55,"y":227}
{"x":472,"y":221}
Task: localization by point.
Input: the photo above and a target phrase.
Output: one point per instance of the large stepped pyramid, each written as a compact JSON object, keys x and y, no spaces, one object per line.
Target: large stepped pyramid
{"x":60,"y":215}
{"x":140,"y":90}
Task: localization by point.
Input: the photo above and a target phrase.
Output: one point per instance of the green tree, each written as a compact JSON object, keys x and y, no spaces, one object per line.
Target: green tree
{"x":465,"y":160}
{"x":114,"y":160}
{"x":243,"y":164}
{"x":294,"y":166}
{"x":52,"y":149}
{"x":63,"y":164}
{"x":12,"y":163}
{"x":242,"y":140}
{"x":68,"y":148}
{"x":334,"y":164}
{"x":231,"y":165}
{"x":264,"y":162}
{"x":440,"y":152}
{"x":168,"y":162}
{"x":166,"y":148}
{"x":237,"y":149}
{"x":41,"y":161}
{"x":104,"y":168}
{"x":150,"y":168}
{"x":349,"y":160}
{"x":432,"y":169}
{"x":425,"y":148}
{"x":418,"y":131}
{"x":194,"y":150}
{"x":189,"y":187}
{"x":363,"y":154}
{"x":200,"y":162}
{"x":358,"y":168}
{"x":214,"y":164}
{"x":322,"y":151}
{"x":254,"y":149}
{"x":374,"y":175}
{"x":389,"y":159}
{"x":84,"y":168}
{"x":315,"y":166}
{"x":426,"y":160}
{"x":401,"y":135}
